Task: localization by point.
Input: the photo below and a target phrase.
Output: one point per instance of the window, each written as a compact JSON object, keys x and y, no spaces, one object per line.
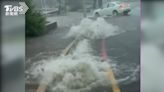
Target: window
{"x":110,"y":5}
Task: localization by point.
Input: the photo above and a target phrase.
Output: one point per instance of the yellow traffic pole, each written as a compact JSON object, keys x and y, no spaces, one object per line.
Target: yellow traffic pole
{"x":110,"y":73}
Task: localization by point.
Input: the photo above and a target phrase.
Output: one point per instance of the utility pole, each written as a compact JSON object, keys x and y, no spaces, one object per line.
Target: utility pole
{"x":42,"y":4}
{"x":100,"y":3}
{"x":59,"y":7}
{"x":45,"y":7}
{"x":84,"y":8}
{"x":94,"y":4}
{"x":65,"y":7}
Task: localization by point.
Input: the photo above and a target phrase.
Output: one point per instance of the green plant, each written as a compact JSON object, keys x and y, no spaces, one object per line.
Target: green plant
{"x":35,"y":21}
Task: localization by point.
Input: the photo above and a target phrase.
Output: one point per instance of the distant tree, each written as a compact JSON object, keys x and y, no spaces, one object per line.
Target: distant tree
{"x":35,"y":22}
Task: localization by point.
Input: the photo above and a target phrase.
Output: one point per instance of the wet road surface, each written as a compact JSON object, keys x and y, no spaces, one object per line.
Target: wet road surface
{"x":123,"y":49}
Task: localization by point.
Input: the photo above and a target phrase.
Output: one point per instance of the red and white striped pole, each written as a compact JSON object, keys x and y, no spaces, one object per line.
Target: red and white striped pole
{"x":104,"y":54}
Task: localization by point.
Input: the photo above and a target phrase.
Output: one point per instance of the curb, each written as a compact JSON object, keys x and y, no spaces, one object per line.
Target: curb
{"x":51,"y":26}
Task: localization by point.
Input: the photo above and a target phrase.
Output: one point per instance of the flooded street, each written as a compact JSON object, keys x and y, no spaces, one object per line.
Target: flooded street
{"x":82,"y":70}
{"x":122,"y":49}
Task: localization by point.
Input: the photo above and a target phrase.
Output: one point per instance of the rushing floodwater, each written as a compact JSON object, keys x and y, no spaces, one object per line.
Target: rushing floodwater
{"x":80,"y":70}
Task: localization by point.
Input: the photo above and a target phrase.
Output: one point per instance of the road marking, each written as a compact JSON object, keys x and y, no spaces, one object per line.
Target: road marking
{"x":115,"y":87}
{"x":43,"y":87}
{"x":111,"y":76}
{"x":110,"y":73}
{"x":68,"y":48}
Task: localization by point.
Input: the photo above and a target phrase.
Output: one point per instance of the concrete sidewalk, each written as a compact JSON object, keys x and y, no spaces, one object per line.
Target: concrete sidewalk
{"x":71,"y":18}
{"x":54,"y":40}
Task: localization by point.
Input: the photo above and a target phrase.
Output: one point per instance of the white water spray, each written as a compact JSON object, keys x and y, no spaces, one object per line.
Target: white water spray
{"x":79,"y":71}
{"x":93,"y":29}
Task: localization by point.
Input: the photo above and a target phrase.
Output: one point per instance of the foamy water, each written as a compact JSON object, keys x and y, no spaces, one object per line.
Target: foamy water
{"x":76,"y":72}
{"x":93,"y":29}
{"x":79,"y":71}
